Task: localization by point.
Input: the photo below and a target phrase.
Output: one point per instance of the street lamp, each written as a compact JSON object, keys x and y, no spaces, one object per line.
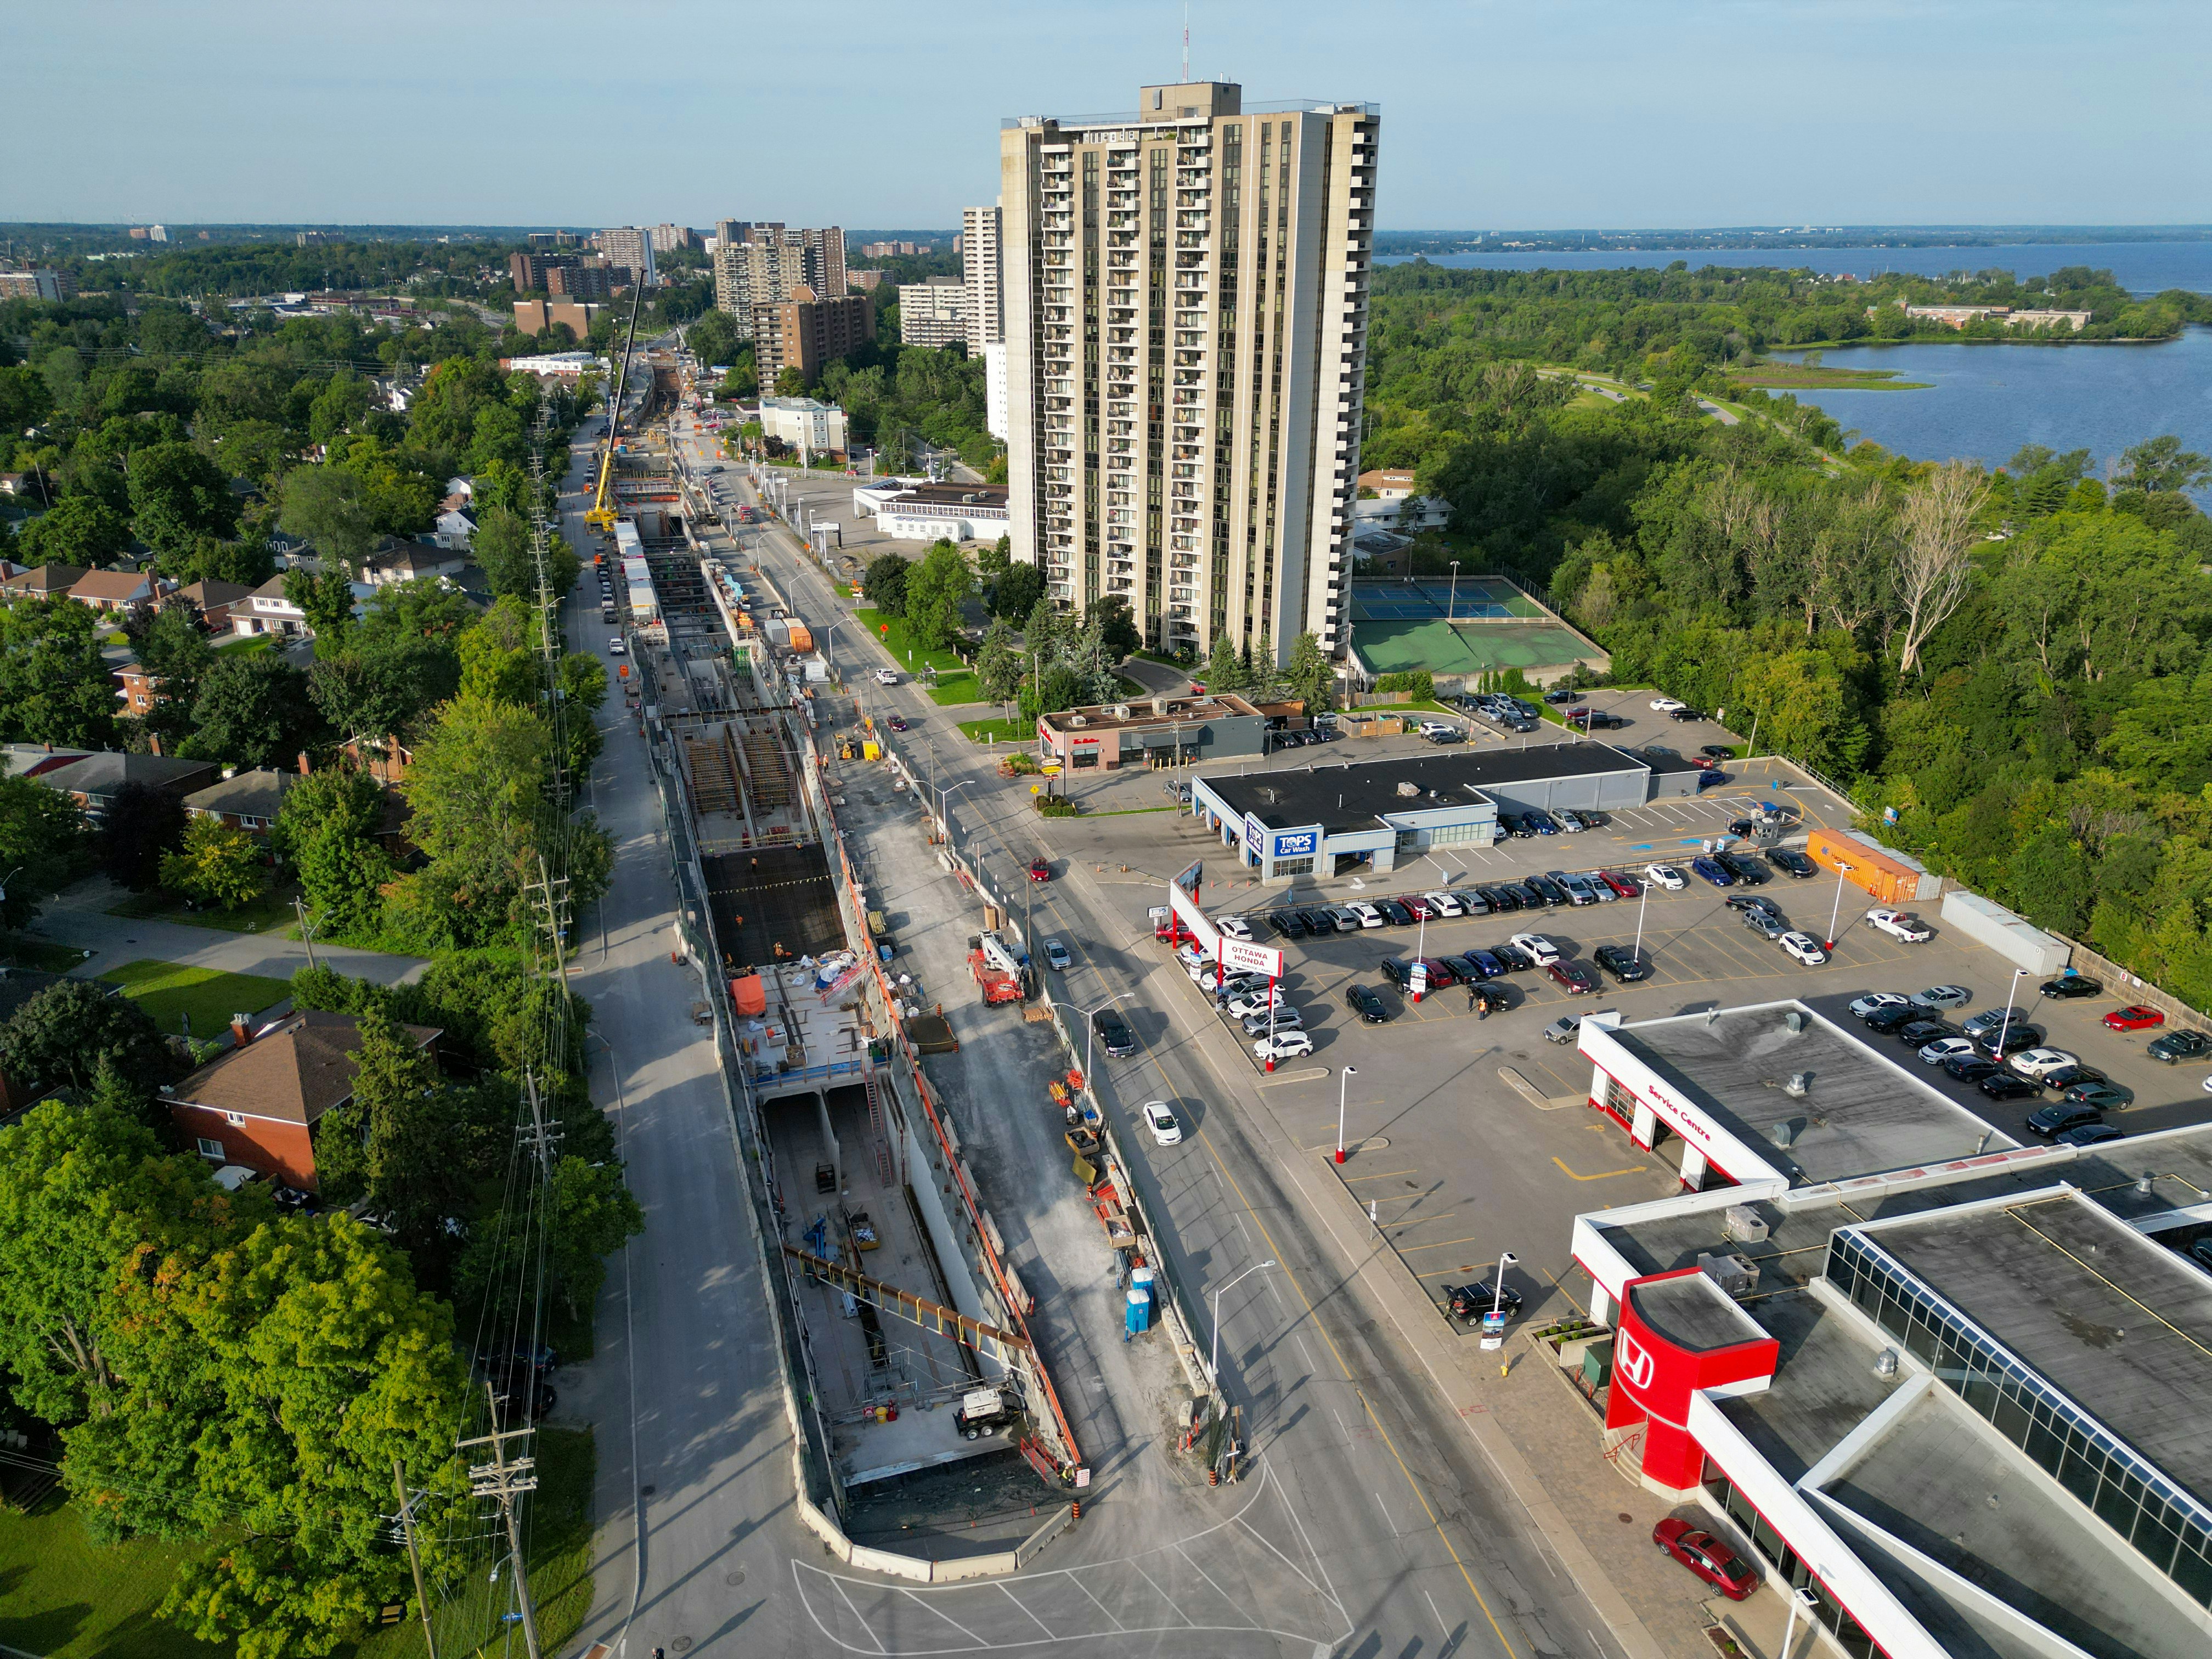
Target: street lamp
{"x":1452,"y":605}
{"x":1089,"y":1030}
{"x":944,"y":807}
{"x":1344,"y":1083}
{"x":1643,"y":903}
{"x":1836,"y":910}
{"x":1213,"y":1365}
{"x":1801,"y":1600}
{"x":2004,"y":1030}
{"x":1507,"y":1259}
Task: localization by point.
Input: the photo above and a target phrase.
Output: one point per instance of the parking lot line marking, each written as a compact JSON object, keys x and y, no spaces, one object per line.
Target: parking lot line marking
{"x":1445,"y":1245}
{"x":1607,"y":1174}
{"x":1385,"y":1176}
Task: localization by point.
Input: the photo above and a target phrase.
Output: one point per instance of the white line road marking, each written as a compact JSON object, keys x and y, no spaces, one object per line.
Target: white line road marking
{"x":1208,"y":1577}
{"x":1095,"y":1603}
{"x":1387,"y":1521}
{"x":1164,"y":1595}
{"x":947,"y":1618}
{"x":1034,"y":1619}
{"x":1441,"y":1626}
{"x":863,"y":1623}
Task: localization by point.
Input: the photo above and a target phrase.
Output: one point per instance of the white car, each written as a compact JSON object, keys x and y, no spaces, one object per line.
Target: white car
{"x":1368,"y":915}
{"x":1254,"y":1002}
{"x":1804,"y":947}
{"x":1900,"y":924}
{"x":1945,"y":1048}
{"x":1438,"y":728}
{"x":1666,"y":705}
{"x":1284,"y":1045}
{"x":2042,"y":1062}
{"x":1874,"y":1001}
{"x":1166,"y":1130}
{"x":1443,"y":904}
{"x":1666,"y":876}
{"x":1943,"y":996}
{"x":616,"y":648}
{"x":1234,"y":927}
{"x":1541,"y":951}
{"x":1056,"y":956}
{"x":886,"y":676}
{"x":1194,"y":957}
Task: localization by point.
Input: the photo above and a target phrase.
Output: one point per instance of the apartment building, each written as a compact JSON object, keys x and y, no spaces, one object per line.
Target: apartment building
{"x":933,"y":312}
{"x":631,"y":248}
{"x":36,"y":283}
{"x":669,"y":238}
{"x":771,"y":264}
{"x":982,"y":271}
{"x":1186,"y":322}
{"x":807,"y":334}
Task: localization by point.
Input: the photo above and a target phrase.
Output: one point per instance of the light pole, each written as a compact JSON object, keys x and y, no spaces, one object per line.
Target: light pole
{"x":1643,"y":903}
{"x":1801,"y":1600}
{"x":1836,"y":910}
{"x":943,"y":808}
{"x":1344,"y":1083}
{"x":1505,"y":1260}
{"x":1089,"y":1030}
{"x":1452,"y":605}
{"x":2004,"y":1030}
{"x":1213,"y":1365}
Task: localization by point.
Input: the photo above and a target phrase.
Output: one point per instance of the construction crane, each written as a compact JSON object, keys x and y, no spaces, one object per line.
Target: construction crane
{"x":600,"y":516}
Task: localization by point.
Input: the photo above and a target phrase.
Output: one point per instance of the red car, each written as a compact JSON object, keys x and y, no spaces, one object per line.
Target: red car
{"x":1707,"y":1557}
{"x":1421,"y":909}
{"x":2137,"y":1017}
{"x":1623,"y":884}
{"x":1040,"y":870}
{"x":1572,"y":977}
{"x":1704,"y":762}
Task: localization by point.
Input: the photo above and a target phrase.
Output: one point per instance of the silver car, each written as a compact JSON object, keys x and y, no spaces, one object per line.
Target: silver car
{"x":1286,"y":1019}
{"x":1345,"y":918}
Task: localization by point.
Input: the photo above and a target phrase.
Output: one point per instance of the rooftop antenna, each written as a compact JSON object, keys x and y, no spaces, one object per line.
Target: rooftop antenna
{"x":1186,"y":41}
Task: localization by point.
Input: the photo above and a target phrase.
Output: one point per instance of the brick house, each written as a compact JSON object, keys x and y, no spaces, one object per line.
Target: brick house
{"x":138,"y":688}
{"x":92,"y":781}
{"x":215,"y":600}
{"x":258,"y":1104}
{"x":403,"y":562}
{"x":45,"y":582}
{"x":118,"y":590}
{"x":244,"y":800}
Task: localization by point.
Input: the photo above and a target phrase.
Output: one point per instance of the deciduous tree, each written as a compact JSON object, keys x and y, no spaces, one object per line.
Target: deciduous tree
{"x":55,"y":683}
{"x":936,"y":590}
{"x":178,"y":496}
{"x":214,"y":864}
{"x":1933,"y":565}
{"x":69,"y":1031}
{"x":328,"y":828}
{"x":253,"y":711}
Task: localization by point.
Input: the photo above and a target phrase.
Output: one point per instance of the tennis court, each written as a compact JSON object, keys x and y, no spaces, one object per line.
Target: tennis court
{"x":1423,"y":598}
{"x":1397,"y":648}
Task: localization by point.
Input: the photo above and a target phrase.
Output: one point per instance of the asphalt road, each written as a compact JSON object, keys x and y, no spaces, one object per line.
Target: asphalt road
{"x":1422,"y":1549}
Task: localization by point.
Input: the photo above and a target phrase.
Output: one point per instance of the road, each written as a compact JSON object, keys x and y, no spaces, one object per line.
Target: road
{"x":1426,"y":1548}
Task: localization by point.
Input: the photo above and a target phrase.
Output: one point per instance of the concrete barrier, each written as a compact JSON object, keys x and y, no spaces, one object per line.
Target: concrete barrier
{"x":975,"y":1566}
{"x":1026,"y":1551}
{"x":897,"y":1566}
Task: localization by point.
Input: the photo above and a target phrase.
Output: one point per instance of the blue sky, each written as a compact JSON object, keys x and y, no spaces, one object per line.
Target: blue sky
{"x":1536,"y":114}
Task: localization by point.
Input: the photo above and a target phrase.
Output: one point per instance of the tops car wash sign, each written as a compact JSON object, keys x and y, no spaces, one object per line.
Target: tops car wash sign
{"x":1294,"y":844}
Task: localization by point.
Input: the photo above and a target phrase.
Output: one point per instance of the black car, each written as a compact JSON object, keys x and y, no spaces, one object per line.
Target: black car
{"x":1546,"y":889}
{"x":1395,"y":912}
{"x":1621,"y":963}
{"x":2071,"y":985}
{"x":2002,"y":1043}
{"x":2177,"y":1046}
{"x":1968,"y":1069}
{"x":2009,"y":1086}
{"x":1894,"y":1018}
{"x":1112,"y":1033}
{"x":1500,"y":899}
{"x":2072,"y":1077}
{"x":1792,"y":863}
{"x":1491,"y":999}
{"x":512,"y":1383}
{"x":1559,"y":694}
{"x":1400,"y":973}
{"x":1919,"y":1033}
{"x":1319,"y":923}
{"x":1527,"y":897}
{"x":1715,"y":752}
{"x":1594,"y":720}
{"x":2055,"y":1119}
{"x":1470,"y":1303}
{"x":1745,"y":868}
{"x":1465,"y":969}
{"x":2091,"y":1135}
{"x":1513,"y":958}
{"x":1753,"y":902}
{"x":1287,"y":924}
{"x":1686,"y":714}
{"x":1508,"y":826}
{"x":1364,"y":1002}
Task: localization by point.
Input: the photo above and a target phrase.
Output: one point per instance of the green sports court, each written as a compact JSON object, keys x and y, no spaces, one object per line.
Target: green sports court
{"x":1478,"y":625}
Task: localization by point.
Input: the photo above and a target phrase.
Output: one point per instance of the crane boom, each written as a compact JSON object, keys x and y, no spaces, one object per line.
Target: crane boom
{"x":601,"y":515}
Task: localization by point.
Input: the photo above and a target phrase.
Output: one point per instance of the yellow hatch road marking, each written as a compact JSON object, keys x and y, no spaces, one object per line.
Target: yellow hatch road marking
{"x":1606,"y":1175}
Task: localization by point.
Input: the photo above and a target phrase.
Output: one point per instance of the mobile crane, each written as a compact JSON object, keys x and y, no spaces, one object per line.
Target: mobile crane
{"x":601,"y":515}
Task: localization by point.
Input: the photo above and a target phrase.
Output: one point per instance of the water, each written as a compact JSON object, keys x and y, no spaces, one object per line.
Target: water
{"x":2140,"y":267}
{"x":1984,"y":401}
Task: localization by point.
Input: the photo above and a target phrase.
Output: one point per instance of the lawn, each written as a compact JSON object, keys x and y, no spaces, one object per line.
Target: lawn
{"x":952,"y":690}
{"x":1001,"y":731}
{"x":22,"y":950}
{"x":271,"y":912}
{"x":247,"y":644}
{"x":890,"y":632}
{"x":69,"y":1598}
{"x":169,"y":991}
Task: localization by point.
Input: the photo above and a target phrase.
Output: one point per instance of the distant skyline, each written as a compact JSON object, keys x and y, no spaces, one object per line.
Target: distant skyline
{"x":1608,"y":112}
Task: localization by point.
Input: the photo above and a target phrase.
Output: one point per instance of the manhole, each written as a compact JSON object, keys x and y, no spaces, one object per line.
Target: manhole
{"x":736,"y":1577}
{"x":1625,"y":1517}
{"x":681,"y":1644}
{"x":646,"y":1491}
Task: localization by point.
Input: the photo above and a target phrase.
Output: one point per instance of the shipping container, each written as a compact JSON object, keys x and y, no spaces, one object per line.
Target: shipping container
{"x":802,"y":639}
{"x":1930,"y":887}
{"x":778,"y":631}
{"x":1885,"y":877}
{"x":1988,"y":923}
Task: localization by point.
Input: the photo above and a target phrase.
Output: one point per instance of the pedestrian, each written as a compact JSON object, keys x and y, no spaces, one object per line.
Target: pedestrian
{"x":1471,"y":998}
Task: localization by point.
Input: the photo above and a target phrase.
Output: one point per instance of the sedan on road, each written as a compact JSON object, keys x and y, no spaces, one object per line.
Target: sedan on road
{"x":1160,"y":1119}
{"x":1706,"y":870}
{"x":1362,"y":1001}
{"x":1944,"y":996}
{"x":897,"y":722}
{"x":1056,"y":956}
{"x":1666,"y":876}
{"x":1707,"y":1557}
{"x":2135,"y":1017}
{"x":616,"y":648}
{"x":1538,"y":949}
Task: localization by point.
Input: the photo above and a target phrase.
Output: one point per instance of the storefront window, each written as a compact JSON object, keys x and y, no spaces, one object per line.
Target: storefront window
{"x":1294,"y":866}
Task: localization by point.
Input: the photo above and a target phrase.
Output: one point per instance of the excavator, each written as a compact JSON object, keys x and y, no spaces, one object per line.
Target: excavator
{"x":602,"y":513}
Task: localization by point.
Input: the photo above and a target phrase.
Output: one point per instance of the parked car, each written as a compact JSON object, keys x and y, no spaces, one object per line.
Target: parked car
{"x":2090,"y":1135}
{"x":1542,"y":823}
{"x":1579,"y":889}
{"x":1621,"y":882}
{"x":1894,"y":1017}
{"x":2076,"y":1076}
{"x":1706,"y":870}
{"x":1559,"y":694}
{"x":1622,"y":963}
{"x":1469,"y":1303}
{"x":1791,"y":862}
{"x":1666,"y":705}
{"x":1686,"y":714}
{"x":1918,"y":1033}
{"x":1517,"y":960}
{"x":2069,"y":985}
{"x":1472,"y":900}
{"x":1570,"y":822}
{"x":1160,"y":1119}
{"x":1546,"y":889}
{"x":2009,"y":1086}
{"x":1752,"y":873}
{"x":1803,"y":948}
{"x":1972,"y":1070}
{"x":2177,"y":1046}
{"x":2135,"y":1017}
{"x":1712,"y":780}
{"x":1900,"y":924}
{"x":1281,"y":1018}
{"x":1321,"y":921}
{"x":1395,"y":912}
{"x":1666,"y":876}
{"x":1524,"y":896}
{"x":1234,"y":927}
{"x":1368,"y":915}
{"x":1485,"y":963}
{"x":2040,"y":1063}
{"x":2010,"y":1040}
{"x":1571,"y":977}
{"x":1440,"y":972}
{"x":2052,"y":1119}
{"x":1944,"y":996}
{"x":1284,"y":1045}
{"x":1715,"y":752}
{"x":1490,"y":999}
{"x":1254,"y":1002}
{"x":1538,"y":949}
{"x":1707,"y":1557}
{"x":1874,"y":1001}
{"x":1947,"y":1047}
{"x":2105,"y":1096}
{"x":1364,"y":1002}
{"x":1765,"y":923}
{"x":1287,"y":924}
{"x":1056,"y":956}
{"x":1112,"y":1033}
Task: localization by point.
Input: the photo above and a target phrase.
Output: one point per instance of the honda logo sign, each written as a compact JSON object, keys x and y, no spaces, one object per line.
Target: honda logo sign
{"x":1631,"y":1361}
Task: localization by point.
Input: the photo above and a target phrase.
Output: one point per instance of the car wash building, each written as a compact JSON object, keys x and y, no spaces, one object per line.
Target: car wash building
{"x":1328,"y":819}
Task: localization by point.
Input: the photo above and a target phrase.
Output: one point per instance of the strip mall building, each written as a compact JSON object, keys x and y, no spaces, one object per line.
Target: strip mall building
{"x":1957,"y":1390}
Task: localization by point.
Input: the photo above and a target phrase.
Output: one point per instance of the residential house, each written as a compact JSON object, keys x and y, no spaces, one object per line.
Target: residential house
{"x":118,"y":590}
{"x":257,"y":1104}
{"x":385,"y":759}
{"x":1386,"y":497}
{"x":46,"y":582}
{"x":456,"y":522}
{"x":243,"y":801}
{"x":266,"y":610}
{"x":403,"y":562}
{"x":214,"y":601}
{"x":92,"y":781}
{"x":138,"y":687}
{"x":27,"y":760}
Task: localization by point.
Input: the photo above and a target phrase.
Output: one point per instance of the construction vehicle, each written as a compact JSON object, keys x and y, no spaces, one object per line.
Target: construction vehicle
{"x":997,"y":984}
{"x":600,"y":516}
{"x":1001,"y":955}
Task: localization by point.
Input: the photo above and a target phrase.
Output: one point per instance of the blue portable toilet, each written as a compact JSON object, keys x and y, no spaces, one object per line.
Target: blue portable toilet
{"x":1138,"y":1315}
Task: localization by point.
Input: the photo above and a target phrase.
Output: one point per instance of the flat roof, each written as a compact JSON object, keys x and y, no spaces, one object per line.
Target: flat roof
{"x":1349,"y":795}
{"x":1860,"y":1112}
{"x":1693,"y":1312}
{"x":2118,"y":1323}
{"x":1181,"y":711}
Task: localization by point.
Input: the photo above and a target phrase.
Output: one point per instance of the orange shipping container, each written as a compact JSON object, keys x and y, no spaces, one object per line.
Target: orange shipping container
{"x":801,"y":639}
{"x":748,"y":996}
{"x":1888,"y":881}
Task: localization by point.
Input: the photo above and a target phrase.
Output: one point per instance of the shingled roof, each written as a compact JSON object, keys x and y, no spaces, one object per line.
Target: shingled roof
{"x":294,"y":1073}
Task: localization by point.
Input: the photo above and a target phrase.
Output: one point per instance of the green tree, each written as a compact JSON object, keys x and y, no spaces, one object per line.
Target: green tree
{"x":55,"y":683}
{"x":328,"y":506}
{"x":327,"y":599}
{"x":253,"y":711}
{"x":79,"y":530}
{"x":713,"y":338}
{"x":936,"y":590}
{"x":2161,"y":464}
{"x":998,"y":666}
{"x":1310,"y":675}
{"x":178,"y":496}
{"x":139,"y":826}
{"x":502,"y":545}
{"x":790,"y":383}
{"x":884,"y":583}
{"x":1225,"y":668}
{"x":328,"y":828}
{"x":1016,"y":593}
{"x":214,"y":864}
{"x":174,"y":650}
{"x":592,"y":1215}
{"x":339,"y":406}
{"x":1118,"y":632}
{"x":69,"y":1032}
{"x":42,"y":838}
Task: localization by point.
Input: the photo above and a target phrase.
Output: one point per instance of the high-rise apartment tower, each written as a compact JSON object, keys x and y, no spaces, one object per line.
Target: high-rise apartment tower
{"x":773,"y":261}
{"x":1186,"y":320}
{"x":980,"y":269}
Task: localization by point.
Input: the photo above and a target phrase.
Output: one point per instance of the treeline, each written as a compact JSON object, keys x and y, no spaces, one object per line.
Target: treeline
{"x":233,"y":269}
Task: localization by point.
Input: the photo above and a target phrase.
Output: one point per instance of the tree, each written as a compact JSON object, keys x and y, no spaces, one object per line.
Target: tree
{"x":502,"y":545}
{"x":339,"y":406}
{"x":216,"y":864}
{"x":935,"y":592}
{"x":69,"y":1032}
{"x":80,"y":530}
{"x":477,"y":788}
{"x":2161,"y":464}
{"x":42,"y":838}
{"x":328,"y":827}
{"x":1933,"y":567}
{"x":1310,"y":675}
{"x":1016,"y":593}
{"x":383,"y":684}
{"x":253,"y":711}
{"x":884,"y":583}
{"x":1225,"y":668}
{"x":178,"y":496}
{"x":998,"y":666}
{"x":592,"y":1215}
{"x":140,"y":826}
{"x":327,"y":506}
{"x":713,"y":338}
{"x":790,"y":383}
{"x":55,"y":683}
{"x":1117,"y":628}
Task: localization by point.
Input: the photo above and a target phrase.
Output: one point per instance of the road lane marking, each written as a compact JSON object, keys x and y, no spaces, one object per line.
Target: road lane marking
{"x":1604,"y":1176}
{"x":1441,"y":1626}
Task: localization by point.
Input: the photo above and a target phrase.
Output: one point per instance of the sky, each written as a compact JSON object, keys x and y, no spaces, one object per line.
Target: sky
{"x":1532,"y":114}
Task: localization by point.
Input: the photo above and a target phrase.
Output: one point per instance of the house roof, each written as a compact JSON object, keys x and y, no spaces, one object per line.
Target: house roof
{"x":211,"y":594}
{"x":47,"y":578}
{"x":1386,"y":478}
{"x":295,"y":1073}
{"x":414,"y":555}
{"x":255,"y":794}
{"x":26,"y":760}
{"x":106,"y":771}
{"x":115,"y":585}
{"x":19,"y":985}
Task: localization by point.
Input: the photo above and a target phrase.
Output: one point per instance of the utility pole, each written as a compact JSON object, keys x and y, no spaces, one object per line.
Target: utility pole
{"x":414,"y":1559}
{"x":306,"y":933}
{"x":507,"y":1481}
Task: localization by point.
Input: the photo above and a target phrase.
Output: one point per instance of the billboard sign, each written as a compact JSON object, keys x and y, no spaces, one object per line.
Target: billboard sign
{"x":1295,"y":843}
{"x":1246,"y":957}
{"x":1190,"y":880}
{"x":1206,"y":935}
